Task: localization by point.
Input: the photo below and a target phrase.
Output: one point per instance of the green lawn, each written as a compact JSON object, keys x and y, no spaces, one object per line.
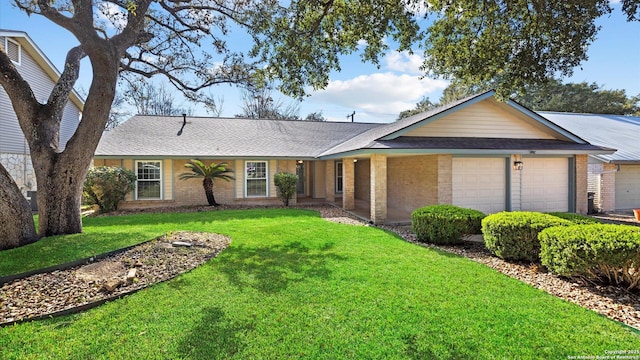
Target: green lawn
{"x":292,"y":285}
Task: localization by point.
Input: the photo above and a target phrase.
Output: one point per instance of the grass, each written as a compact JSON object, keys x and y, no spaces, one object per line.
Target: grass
{"x":292,"y":285}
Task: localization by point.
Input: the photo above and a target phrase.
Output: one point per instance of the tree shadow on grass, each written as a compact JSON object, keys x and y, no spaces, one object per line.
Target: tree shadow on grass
{"x":214,"y":336}
{"x":271,"y":269}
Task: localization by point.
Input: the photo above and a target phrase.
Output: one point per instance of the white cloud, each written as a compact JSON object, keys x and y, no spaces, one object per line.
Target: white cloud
{"x":404,"y":62}
{"x":379,"y":97}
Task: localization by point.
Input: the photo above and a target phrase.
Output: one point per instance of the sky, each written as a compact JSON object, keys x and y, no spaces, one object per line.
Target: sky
{"x":376,"y":94}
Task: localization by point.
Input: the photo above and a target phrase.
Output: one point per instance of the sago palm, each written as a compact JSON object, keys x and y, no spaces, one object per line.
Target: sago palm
{"x":208,"y":173}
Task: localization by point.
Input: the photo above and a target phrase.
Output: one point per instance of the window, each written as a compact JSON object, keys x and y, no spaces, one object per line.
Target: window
{"x":149,"y":184}
{"x":256,"y":178}
{"x":338,"y":177}
{"x":13,"y":50}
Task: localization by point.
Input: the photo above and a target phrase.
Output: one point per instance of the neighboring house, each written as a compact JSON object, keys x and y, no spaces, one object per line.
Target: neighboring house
{"x":41,"y":75}
{"x":613,"y":178}
{"x":477,"y":152}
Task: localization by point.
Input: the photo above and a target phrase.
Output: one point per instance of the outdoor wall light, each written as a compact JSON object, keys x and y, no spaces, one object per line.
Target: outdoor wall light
{"x":299,"y":161}
{"x":518,"y":165}
{"x":355,"y":160}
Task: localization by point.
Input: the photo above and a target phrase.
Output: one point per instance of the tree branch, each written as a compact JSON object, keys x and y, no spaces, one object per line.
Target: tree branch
{"x":60,"y":93}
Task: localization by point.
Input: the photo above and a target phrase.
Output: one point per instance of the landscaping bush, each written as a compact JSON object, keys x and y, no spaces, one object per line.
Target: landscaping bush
{"x":287,"y":184}
{"x":604,"y":251}
{"x":514,"y":235}
{"x":445,"y":224}
{"x":107,"y":186}
{"x":576,"y":218}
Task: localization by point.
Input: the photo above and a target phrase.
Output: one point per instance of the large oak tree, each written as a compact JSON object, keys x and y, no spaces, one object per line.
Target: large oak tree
{"x":297,"y":43}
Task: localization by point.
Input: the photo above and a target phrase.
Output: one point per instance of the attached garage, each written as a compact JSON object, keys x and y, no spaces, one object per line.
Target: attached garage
{"x":479,"y":183}
{"x":628,"y":187}
{"x":545,"y":184}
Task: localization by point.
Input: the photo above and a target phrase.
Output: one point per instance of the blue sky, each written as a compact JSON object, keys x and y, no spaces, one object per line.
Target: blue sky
{"x":376,"y":94}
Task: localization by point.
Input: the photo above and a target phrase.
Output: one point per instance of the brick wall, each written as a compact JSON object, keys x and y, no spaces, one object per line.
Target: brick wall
{"x":413,"y":181}
{"x":444,"y":179}
{"x":379,"y":176}
{"x":348,"y":190}
{"x":330,"y":185}
{"x":608,"y":187}
{"x":581,"y":183}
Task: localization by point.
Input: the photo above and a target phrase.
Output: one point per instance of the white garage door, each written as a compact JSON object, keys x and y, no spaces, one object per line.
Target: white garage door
{"x":628,"y":187}
{"x":545,"y":184}
{"x":479,"y":183}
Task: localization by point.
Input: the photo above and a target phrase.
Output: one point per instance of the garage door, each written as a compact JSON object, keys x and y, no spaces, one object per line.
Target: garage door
{"x":479,"y":183}
{"x":545,"y":184}
{"x":628,"y":187}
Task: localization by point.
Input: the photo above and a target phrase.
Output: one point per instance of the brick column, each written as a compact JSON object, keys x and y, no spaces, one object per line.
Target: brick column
{"x":330,"y":181}
{"x":608,"y":187}
{"x":445,"y":181}
{"x":348,"y":184}
{"x":581,"y":184}
{"x":378,"y":188}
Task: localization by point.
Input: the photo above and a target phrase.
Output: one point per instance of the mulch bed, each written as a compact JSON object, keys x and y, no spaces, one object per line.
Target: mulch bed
{"x":61,"y":291}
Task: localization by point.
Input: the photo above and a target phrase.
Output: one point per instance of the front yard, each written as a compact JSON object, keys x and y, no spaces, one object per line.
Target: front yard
{"x":292,"y":285}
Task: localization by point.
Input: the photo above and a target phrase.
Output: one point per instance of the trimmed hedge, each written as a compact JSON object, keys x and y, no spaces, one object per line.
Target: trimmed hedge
{"x":606,"y":252}
{"x":106,"y":186}
{"x":514,"y":235}
{"x":287,"y":185}
{"x":576,"y":218}
{"x":445,"y":224}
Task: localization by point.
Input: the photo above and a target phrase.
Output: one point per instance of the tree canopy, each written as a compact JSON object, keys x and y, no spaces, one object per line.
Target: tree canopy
{"x":553,"y":95}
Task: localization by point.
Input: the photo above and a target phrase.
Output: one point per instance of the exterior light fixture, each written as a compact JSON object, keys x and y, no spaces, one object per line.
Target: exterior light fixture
{"x":299,"y":161}
{"x":355,"y":160}
{"x":518,"y":165}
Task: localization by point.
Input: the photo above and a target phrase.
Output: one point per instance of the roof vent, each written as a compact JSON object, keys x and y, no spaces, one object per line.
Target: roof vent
{"x":184,"y":122}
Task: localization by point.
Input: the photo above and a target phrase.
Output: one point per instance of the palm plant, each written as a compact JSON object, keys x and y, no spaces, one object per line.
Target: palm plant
{"x":208,"y":173}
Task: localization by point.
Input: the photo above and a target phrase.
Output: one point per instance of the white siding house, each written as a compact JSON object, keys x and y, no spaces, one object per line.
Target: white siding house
{"x":41,"y":75}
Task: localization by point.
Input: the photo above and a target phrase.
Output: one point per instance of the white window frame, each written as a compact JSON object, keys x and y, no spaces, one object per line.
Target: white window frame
{"x":6,"y":48}
{"x":137,"y":162}
{"x":339,"y":177}
{"x":266,"y":178}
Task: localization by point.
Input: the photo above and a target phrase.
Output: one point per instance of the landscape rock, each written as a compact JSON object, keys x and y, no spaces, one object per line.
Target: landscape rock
{"x":111,"y":285}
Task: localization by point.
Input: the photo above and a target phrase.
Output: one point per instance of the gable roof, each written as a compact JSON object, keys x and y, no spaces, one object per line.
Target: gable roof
{"x":47,"y":66}
{"x":390,"y":136}
{"x":224,"y":137}
{"x":618,"y":131}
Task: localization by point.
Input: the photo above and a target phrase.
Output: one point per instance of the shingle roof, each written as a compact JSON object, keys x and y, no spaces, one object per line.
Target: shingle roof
{"x":466,"y":143}
{"x":615,"y":131}
{"x":224,"y":137}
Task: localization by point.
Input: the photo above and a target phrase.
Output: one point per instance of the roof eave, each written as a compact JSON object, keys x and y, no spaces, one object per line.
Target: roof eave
{"x":25,"y":41}
{"x":547,"y":123}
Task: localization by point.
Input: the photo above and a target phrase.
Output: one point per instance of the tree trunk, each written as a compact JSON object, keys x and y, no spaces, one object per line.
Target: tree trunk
{"x":60,"y":180}
{"x":16,"y":221}
{"x":207,"y":183}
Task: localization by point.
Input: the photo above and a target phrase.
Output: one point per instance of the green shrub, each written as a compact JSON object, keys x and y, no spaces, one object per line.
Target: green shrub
{"x":107,"y":186}
{"x":605,"y":251}
{"x":287,"y":184}
{"x":514,"y":235}
{"x":445,"y":224}
{"x":576,"y":218}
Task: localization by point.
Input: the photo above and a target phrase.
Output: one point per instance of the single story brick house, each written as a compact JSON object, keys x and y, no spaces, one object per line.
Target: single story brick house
{"x":614,"y":178}
{"x":477,"y":152}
